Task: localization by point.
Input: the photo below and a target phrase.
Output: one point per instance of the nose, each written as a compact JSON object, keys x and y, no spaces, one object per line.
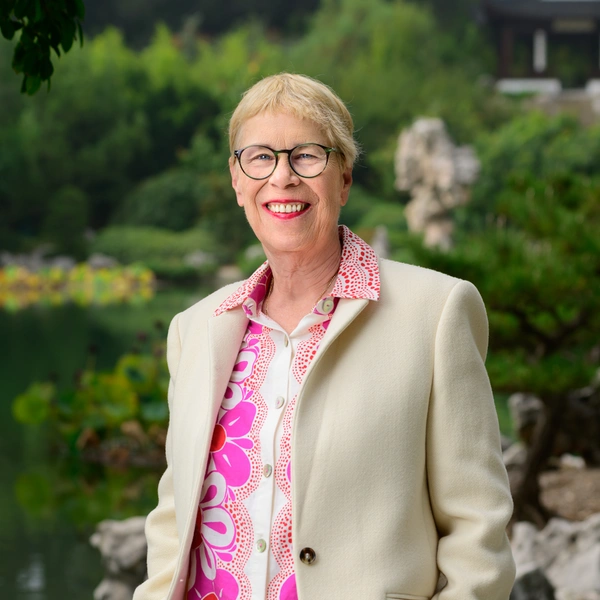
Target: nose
{"x":283,"y":175}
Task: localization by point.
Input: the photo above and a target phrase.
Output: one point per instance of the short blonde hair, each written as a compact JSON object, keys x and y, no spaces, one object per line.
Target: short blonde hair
{"x":305,"y":98}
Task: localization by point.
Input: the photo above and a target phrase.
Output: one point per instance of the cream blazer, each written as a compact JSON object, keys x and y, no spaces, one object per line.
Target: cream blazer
{"x":397,"y":480}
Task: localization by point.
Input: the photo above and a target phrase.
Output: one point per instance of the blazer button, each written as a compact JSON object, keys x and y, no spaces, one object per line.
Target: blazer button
{"x":308,"y":556}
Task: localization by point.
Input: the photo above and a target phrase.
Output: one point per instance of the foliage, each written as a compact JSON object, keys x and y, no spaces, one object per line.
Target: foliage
{"x":147,"y":132}
{"x":129,"y":121}
{"x":170,"y":200}
{"x":43,"y":26}
{"x":532,"y":145}
{"x":161,"y":250}
{"x":386,"y":60}
{"x":124,"y":408}
{"x":137,"y":18}
{"x":66,"y":220}
{"x":83,"y":285}
{"x":84,"y":494}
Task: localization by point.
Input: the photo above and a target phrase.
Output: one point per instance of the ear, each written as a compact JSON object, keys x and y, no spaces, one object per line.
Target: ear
{"x":346,"y":184}
{"x":234,"y":171}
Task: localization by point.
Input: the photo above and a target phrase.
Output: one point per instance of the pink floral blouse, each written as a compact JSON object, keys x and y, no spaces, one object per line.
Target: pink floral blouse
{"x":242,"y":546}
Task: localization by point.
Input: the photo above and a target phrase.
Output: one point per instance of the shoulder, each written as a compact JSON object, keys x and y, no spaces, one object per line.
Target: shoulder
{"x":402,"y":278}
{"x":424,"y":289}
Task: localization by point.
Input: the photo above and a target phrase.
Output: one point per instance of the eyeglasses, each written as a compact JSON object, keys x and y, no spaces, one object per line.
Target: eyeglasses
{"x":306,"y":160}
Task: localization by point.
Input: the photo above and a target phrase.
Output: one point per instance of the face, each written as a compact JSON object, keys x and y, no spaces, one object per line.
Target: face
{"x":314,"y":203}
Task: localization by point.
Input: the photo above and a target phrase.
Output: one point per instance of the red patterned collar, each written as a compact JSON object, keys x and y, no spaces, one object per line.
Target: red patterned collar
{"x":358,"y":276}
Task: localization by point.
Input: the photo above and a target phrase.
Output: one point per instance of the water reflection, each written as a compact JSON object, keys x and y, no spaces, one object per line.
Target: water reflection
{"x":32,"y":578}
{"x":49,"y":505}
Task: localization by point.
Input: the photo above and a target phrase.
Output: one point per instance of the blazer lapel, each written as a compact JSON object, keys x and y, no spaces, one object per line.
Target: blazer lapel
{"x":204,"y":391}
{"x":225,"y":335}
{"x":347,"y":310}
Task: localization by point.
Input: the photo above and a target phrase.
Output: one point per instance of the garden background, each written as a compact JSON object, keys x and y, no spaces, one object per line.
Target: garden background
{"x":126,"y":156}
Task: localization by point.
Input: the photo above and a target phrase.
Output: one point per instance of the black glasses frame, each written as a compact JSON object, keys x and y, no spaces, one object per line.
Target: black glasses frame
{"x":328,"y":151}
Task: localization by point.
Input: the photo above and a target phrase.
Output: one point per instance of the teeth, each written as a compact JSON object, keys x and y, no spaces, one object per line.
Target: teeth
{"x":286,"y":208}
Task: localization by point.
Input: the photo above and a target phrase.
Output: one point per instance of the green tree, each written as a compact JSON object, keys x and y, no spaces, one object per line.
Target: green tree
{"x":66,"y":221}
{"x":536,"y":261}
{"x":387,"y":61}
{"x":44,"y":26}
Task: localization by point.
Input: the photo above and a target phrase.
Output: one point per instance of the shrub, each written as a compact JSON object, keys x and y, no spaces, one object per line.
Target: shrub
{"x":161,"y":250}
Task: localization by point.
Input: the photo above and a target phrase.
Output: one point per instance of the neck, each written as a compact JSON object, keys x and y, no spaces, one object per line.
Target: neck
{"x":299,"y":277}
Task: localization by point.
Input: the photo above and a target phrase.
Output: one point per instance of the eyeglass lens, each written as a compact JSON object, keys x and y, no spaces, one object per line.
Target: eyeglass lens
{"x":307,"y":160}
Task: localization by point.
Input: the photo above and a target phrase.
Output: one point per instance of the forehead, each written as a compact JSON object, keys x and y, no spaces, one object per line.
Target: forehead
{"x":279,"y":130}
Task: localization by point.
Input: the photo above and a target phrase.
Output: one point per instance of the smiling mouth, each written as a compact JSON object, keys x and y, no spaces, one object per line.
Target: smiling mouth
{"x":287,"y":208}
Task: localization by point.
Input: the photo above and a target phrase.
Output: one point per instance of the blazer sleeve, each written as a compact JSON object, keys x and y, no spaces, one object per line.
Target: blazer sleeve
{"x":161,"y":528}
{"x":468,"y":484}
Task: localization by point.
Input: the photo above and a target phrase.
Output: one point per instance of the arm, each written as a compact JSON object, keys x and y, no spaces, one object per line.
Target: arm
{"x":161,"y":529}
{"x":468,"y":485}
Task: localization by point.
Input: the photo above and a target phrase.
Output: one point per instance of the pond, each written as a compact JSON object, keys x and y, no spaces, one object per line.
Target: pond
{"x":48,"y":504}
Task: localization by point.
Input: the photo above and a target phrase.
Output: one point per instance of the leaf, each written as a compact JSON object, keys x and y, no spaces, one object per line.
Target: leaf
{"x":155,"y":412}
{"x":18,"y":58}
{"x":80,"y":32}
{"x":33,"y":406}
{"x":22,"y":8}
{"x":8,"y":28}
{"x":33,"y":84}
{"x":67,"y":34}
{"x":39,"y":13}
{"x":46,"y":69}
{"x":80,"y":9}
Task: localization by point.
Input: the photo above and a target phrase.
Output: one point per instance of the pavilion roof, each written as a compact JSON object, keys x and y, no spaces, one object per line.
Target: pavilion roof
{"x":549,"y":9}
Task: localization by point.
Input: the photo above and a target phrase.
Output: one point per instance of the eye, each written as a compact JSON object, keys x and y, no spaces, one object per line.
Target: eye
{"x":305,"y":156}
{"x":257,"y":155}
{"x":261,"y":157}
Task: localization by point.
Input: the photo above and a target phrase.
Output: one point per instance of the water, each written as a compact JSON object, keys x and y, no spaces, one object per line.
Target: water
{"x":48,"y":504}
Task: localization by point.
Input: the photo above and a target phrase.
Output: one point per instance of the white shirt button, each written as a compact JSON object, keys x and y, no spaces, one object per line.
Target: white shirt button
{"x":279,"y":402}
{"x":286,"y":342}
{"x":261,"y":545}
{"x":326,"y":306}
{"x":267,"y":470}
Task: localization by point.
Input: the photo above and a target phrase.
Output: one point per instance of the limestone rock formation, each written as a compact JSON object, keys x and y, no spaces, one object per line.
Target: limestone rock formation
{"x":123,"y":547}
{"x":568,"y":553}
{"x":437,"y":174}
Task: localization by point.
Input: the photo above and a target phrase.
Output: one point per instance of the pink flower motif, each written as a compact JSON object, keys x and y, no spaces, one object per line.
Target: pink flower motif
{"x":215,"y":530}
{"x":229,"y":442}
{"x":222,"y":587}
{"x":288,"y":589}
{"x":236,"y":392}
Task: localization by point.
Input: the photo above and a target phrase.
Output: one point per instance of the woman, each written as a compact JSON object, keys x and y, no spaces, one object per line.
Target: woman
{"x":332,"y":433}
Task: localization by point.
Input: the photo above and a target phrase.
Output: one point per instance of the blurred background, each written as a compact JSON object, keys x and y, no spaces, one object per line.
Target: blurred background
{"x":478,"y":121}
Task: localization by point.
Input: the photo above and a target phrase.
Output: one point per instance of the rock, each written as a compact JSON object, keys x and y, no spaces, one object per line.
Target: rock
{"x":437,"y":174}
{"x":570,"y":461}
{"x":571,"y":595}
{"x":123,"y":547}
{"x":579,"y":433}
{"x":576,"y":566}
{"x":254,"y":252}
{"x":198,"y":259}
{"x":380,"y":242}
{"x":228,"y":274}
{"x":514,"y":456}
{"x":113,"y":589}
{"x":102,"y":261}
{"x":533,"y":585}
{"x":525,"y":411}
{"x":567,"y":552}
{"x":505,"y":442}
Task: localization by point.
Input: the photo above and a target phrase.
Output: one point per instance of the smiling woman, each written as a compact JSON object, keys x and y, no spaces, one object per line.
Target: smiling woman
{"x":364,"y":374}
